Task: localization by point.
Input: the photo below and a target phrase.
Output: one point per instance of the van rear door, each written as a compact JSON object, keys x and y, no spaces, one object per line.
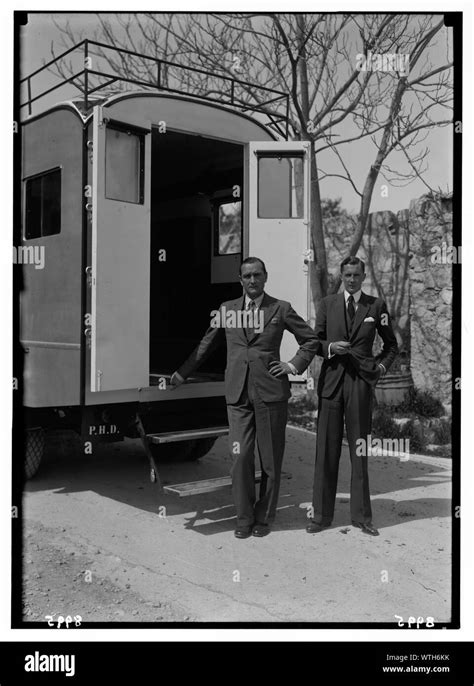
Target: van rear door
{"x":278,"y":222}
{"x":121,"y":154}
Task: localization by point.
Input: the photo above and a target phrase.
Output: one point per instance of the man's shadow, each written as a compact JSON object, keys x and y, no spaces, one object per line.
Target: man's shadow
{"x":120,"y":472}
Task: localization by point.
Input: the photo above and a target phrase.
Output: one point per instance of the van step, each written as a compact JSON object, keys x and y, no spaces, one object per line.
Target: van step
{"x":192,"y":434}
{"x":157,"y":379}
{"x":208,"y":485}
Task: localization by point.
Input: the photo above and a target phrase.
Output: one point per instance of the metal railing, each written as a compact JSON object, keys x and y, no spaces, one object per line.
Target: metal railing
{"x":227,"y":95}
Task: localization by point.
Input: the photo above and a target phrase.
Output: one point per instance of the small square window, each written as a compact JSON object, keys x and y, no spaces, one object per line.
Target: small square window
{"x":123,"y":165}
{"x":280,"y":186}
{"x":43,"y":205}
{"x":229,"y":228}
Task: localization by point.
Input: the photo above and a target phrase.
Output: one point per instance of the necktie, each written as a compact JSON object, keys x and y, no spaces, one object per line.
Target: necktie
{"x":350,"y":310}
{"x":251,"y":320}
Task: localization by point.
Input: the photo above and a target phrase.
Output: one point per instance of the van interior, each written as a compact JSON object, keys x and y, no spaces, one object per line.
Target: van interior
{"x":196,"y":245}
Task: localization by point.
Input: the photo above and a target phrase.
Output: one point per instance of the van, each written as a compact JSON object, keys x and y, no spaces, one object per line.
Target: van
{"x":142,"y":205}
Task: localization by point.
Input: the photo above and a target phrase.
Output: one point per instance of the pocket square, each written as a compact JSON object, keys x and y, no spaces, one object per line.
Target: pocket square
{"x":369,"y":319}
{"x":275,"y":320}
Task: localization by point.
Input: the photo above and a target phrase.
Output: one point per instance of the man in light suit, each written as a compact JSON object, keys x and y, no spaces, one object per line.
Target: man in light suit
{"x":256,"y":388}
{"x":345,"y":325}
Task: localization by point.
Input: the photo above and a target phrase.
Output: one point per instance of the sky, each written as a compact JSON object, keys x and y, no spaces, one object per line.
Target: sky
{"x":41,"y":33}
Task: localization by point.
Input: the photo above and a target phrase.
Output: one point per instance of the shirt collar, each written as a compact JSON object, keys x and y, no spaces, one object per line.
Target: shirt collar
{"x":356,"y":296}
{"x":257,"y":301}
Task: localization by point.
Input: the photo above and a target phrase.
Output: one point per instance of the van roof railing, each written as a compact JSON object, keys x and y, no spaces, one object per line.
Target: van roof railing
{"x":229,"y":95}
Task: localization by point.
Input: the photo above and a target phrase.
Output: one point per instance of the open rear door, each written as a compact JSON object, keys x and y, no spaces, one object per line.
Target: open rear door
{"x":121,"y":155}
{"x":278,"y":223}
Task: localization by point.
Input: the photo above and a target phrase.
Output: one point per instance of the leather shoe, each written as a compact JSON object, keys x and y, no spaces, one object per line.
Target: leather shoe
{"x":243,"y":531}
{"x":261,"y":530}
{"x":366,"y":528}
{"x":315,"y":527}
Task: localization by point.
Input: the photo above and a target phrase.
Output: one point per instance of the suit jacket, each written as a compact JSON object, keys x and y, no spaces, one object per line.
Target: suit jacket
{"x":331,"y":326}
{"x":253,"y":355}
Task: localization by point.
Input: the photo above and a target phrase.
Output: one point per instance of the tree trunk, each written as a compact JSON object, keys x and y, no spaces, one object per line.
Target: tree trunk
{"x":318,"y":267}
{"x":373,"y":174}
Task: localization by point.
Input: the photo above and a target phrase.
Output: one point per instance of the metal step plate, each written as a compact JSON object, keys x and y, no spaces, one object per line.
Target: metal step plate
{"x":208,"y":485}
{"x":192,"y":434}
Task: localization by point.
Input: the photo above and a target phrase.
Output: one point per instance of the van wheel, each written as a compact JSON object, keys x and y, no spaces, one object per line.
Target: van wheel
{"x":34,"y":450}
{"x":179,"y":451}
{"x":182,"y":451}
{"x":202,"y":446}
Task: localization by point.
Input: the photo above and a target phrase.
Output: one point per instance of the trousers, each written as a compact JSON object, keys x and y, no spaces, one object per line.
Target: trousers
{"x":352,"y":402}
{"x":254,"y":423}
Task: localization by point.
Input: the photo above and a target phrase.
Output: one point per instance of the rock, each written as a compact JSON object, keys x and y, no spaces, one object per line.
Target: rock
{"x":447,"y":295}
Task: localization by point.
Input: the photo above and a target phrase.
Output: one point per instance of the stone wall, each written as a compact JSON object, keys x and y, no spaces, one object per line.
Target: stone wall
{"x":431,"y":292}
{"x":397,"y":249}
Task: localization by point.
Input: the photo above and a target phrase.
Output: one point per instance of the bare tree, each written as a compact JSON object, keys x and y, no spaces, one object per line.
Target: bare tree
{"x":416,"y":105}
{"x":317,"y":59}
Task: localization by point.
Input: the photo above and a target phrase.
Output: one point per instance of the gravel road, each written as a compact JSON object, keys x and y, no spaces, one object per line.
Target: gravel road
{"x":102,"y":543}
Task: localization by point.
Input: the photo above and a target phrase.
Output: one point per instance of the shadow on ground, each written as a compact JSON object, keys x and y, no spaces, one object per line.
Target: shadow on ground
{"x":119,"y":471}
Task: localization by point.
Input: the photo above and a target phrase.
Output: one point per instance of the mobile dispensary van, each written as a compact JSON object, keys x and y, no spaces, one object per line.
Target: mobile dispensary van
{"x":140,"y":207}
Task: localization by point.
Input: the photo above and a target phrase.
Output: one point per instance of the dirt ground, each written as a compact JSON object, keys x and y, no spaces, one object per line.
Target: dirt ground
{"x":101,"y":542}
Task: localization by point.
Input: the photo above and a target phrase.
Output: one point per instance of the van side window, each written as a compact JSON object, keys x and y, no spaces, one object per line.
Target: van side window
{"x":228,"y":227}
{"x":43,"y":204}
{"x":124,"y":165}
{"x":280,"y":186}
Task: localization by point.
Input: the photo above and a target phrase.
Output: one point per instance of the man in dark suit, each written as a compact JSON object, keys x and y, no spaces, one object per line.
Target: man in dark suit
{"x":256,"y":389}
{"x":345,"y":325}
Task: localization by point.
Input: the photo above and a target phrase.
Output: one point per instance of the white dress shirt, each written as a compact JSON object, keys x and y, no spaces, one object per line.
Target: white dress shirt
{"x":356,"y":297}
{"x":257,"y":301}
